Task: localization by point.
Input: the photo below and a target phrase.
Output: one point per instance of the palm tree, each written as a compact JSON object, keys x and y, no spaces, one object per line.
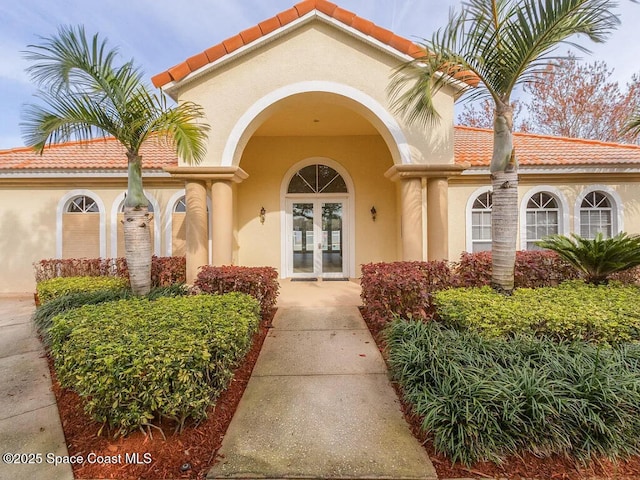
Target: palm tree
{"x":633,"y":125}
{"x":85,"y":95}
{"x":501,"y":44}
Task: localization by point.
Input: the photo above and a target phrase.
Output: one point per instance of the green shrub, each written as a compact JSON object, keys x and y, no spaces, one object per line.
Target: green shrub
{"x":573,"y":310}
{"x":597,"y":258}
{"x":57,"y":287}
{"x":136,"y":361}
{"x":44,"y":313}
{"x":484,"y":399}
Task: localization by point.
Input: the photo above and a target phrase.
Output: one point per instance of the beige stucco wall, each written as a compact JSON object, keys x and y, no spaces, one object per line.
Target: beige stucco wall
{"x":569,"y":186}
{"x":28,"y":226}
{"x":314,"y":52}
{"x":267,"y":160}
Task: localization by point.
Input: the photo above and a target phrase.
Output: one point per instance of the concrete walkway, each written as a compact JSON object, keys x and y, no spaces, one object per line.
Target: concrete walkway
{"x":319,"y":403}
{"x":29,"y":420}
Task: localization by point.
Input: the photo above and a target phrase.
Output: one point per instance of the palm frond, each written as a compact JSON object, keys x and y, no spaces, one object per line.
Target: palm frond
{"x":632,"y":125}
{"x":597,"y":258}
{"x":504,"y":43}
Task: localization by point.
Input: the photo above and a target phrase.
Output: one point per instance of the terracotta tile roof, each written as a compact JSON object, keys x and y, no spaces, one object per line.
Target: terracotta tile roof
{"x":210,"y":55}
{"x":96,"y":154}
{"x":474,"y":145}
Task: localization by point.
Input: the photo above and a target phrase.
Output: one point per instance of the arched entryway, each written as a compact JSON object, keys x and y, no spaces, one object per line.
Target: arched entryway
{"x":318,"y":225}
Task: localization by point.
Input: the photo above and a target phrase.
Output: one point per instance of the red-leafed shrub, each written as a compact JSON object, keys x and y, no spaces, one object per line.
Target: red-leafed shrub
{"x":165,"y":271}
{"x":402,"y":288}
{"x":259,"y":282}
{"x":536,"y":268}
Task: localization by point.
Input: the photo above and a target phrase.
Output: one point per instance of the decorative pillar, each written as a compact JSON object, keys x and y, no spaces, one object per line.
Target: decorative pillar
{"x":416,"y":236}
{"x":411,"y":208}
{"x":222,"y":222}
{"x":196,"y":228}
{"x":222,"y":213}
{"x":438,"y":218}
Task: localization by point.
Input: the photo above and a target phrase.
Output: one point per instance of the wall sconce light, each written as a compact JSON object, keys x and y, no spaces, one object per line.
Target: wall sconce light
{"x":373,"y":213}
{"x":262,"y":214}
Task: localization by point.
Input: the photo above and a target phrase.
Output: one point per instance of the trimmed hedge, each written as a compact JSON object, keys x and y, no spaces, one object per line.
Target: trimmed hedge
{"x":405,"y":288}
{"x":44,"y":314}
{"x":484,"y":399}
{"x":259,"y":282}
{"x":165,"y":271}
{"x":533,"y":269}
{"x":402,"y":288}
{"x":572,"y":310}
{"x":57,"y":287}
{"x":136,"y":361}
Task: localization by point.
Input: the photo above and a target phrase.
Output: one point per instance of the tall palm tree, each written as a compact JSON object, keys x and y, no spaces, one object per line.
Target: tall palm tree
{"x":501,"y":43}
{"x":85,"y":95}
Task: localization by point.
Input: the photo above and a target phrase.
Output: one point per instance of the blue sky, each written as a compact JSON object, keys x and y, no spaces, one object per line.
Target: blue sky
{"x":160,"y":33}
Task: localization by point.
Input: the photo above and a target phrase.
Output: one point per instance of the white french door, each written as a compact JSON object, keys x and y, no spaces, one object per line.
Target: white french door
{"x":317,"y":243}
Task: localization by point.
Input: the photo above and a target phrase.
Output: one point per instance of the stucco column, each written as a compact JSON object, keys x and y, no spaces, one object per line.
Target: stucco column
{"x":196,"y":228}
{"x":438,"y":218}
{"x":411,"y":211}
{"x":222,"y":222}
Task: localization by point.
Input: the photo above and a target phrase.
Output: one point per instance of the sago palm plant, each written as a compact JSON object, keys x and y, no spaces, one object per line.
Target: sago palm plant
{"x":597,"y":258}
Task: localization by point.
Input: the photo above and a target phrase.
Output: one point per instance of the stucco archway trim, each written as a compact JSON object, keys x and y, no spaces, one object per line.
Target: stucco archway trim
{"x":381,"y":119}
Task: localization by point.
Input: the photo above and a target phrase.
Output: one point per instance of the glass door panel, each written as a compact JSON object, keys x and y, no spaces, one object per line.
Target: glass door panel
{"x":332,"y":237}
{"x":303,"y":244}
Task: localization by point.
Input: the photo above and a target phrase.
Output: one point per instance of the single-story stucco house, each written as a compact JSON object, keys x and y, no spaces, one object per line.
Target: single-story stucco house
{"x":308,"y":169}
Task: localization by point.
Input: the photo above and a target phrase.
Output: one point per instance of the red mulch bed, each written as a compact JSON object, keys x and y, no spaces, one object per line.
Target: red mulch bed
{"x":196,"y":445}
{"x":516,"y":468}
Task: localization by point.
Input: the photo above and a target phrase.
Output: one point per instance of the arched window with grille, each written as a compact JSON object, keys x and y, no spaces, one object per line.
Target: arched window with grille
{"x":542,"y":218}
{"x":81,"y":227}
{"x":596,"y":215}
{"x":479,"y":221}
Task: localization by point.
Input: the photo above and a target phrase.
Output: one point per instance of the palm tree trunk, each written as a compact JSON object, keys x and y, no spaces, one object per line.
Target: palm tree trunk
{"x":504,"y":212}
{"x":137,"y":237}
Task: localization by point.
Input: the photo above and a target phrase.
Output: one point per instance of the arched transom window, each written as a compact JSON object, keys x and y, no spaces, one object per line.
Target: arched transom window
{"x":595,"y":215}
{"x":181,"y":205}
{"x":82,"y":204}
{"x":481,"y":222}
{"x":317,"y":179}
{"x":542,"y":218}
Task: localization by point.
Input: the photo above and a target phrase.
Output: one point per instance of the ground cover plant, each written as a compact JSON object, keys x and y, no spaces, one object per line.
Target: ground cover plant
{"x":571,"y":311}
{"x":45,"y":313}
{"x":485,"y":398}
{"x":48,"y":290}
{"x":137,"y":362}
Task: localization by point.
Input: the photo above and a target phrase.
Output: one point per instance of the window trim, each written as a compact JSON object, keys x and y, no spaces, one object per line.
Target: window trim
{"x":563,"y":213}
{"x":469,"y":210}
{"x":61,"y":209}
{"x":617,"y":219}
